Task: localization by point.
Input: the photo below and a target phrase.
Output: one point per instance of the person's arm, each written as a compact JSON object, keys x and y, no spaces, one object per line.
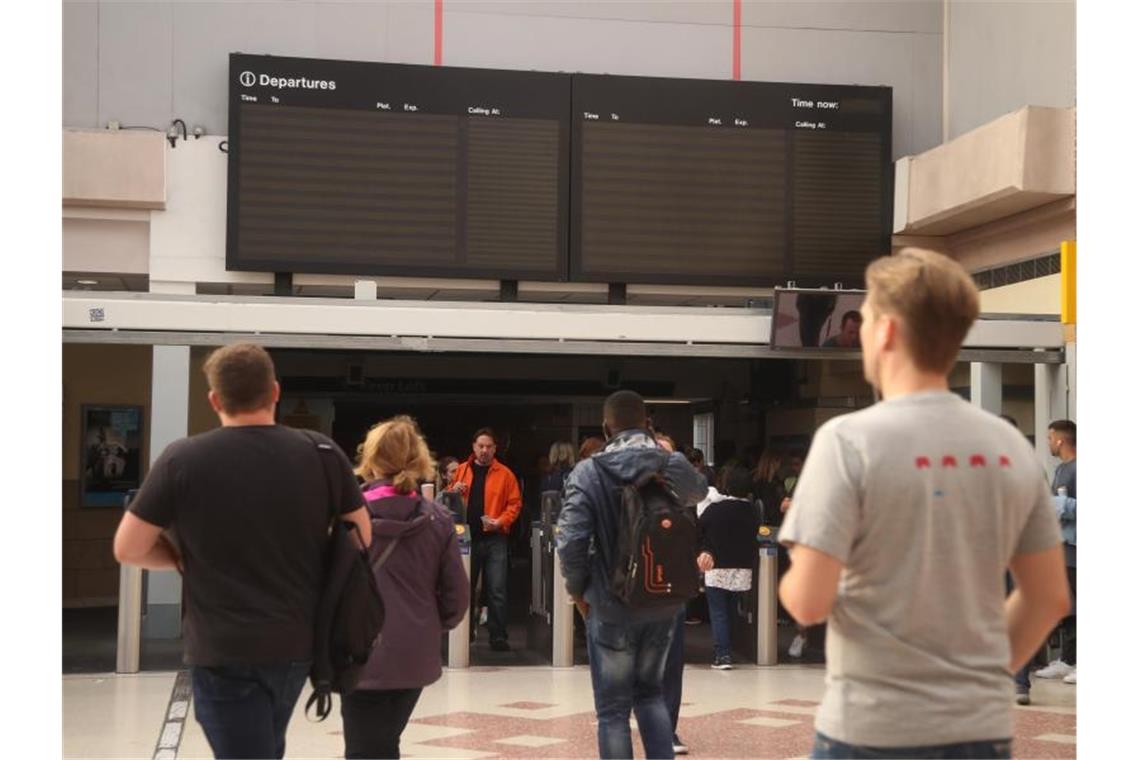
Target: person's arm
{"x":362,"y":520}
{"x":1066,"y":508}
{"x":688,"y":486}
{"x":353,"y":508}
{"x":573,"y":535}
{"x":140,"y":543}
{"x":138,"y":539}
{"x":454,"y":594}
{"x":810,"y":585}
{"x":821,"y":526}
{"x":514,"y":504}
{"x":1039,"y":600}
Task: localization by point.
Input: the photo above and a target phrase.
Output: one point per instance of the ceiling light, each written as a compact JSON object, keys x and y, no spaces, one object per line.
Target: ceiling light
{"x":87,"y":282}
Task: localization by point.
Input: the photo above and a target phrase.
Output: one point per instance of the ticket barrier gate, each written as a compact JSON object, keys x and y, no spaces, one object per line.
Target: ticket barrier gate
{"x":754,"y":619}
{"x":129,"y":640}
{"x":551,"y":608}
{"x":457,"y":641}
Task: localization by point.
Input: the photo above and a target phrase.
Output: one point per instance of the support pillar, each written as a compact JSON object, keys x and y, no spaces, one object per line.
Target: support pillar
{"x":169,"y":414}
{"x":985,"y":386}
{"x":1050,"y":402}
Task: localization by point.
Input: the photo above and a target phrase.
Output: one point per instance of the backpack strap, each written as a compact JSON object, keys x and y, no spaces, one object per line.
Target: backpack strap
{"x":396,"y":540}
{"x":325,"y":450}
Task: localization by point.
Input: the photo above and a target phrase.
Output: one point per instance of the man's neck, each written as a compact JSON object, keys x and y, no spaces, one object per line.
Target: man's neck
{"x":1068,"y":455}
{"x":907,"y":379}
{"x":247,"y":419}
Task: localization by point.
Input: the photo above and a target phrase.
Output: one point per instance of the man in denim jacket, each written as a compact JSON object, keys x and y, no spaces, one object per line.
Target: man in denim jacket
{"x":627,"y":647}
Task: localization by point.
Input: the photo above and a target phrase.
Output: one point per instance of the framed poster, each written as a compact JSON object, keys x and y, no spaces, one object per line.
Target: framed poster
{"x":111,"y":459}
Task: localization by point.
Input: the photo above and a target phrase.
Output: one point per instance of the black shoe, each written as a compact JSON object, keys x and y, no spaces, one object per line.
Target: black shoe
{"x":1023,"y":697}
{"x":679,"y":747}
{"x":500,"y":645}
{"x":722,"y":663}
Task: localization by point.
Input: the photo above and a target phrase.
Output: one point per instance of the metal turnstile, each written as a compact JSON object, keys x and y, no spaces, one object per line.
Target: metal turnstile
{"x":459,"y":637}
{"x":562,"y":647}
{"x":552,"y":610}
{"x":766,"y":628}
{"x":127,"y":652}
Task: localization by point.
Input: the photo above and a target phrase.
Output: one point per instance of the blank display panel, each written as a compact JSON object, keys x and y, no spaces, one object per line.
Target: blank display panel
{"x":692,"y":196}
{"x":727,"y":183}
{"x":389,"y":169}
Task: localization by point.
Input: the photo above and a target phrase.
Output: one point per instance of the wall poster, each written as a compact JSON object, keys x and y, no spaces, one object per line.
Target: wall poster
{"x":111,"y":437}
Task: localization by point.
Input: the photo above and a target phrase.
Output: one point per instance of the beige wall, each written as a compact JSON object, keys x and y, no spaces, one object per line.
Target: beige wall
{"x":121,"y":246}
{"x":95,"y":374}
{"x":1039,"y":296}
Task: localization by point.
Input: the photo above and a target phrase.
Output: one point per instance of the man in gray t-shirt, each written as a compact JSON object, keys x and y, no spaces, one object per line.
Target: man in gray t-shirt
{"x":904,"y":522}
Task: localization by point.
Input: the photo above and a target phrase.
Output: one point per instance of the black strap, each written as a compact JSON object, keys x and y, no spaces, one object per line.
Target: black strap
{"x":325,"y":452}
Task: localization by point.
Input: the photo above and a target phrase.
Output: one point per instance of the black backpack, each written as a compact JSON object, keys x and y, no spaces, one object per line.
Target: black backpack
{"x":655,"y":558}
{"x":350,"y":613}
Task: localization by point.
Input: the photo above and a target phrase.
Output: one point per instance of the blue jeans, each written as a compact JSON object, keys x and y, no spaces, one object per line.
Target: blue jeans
{"x":245,"y":709}
{"x":675,"y":670}
{"x":829,"y":749}
{"x":1021,"y":677}
{"x":720,"y":607}
{"x":627,"y":664}
{"x":489,"y":557}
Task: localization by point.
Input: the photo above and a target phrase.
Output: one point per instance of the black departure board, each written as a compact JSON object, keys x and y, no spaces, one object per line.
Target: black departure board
{"x":369,"y":168}
{"x":689,"y":181}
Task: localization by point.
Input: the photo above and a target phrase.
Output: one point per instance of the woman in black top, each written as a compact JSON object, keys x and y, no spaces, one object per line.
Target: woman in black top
{"x":728,"y":532}
{"x":768,"y":485}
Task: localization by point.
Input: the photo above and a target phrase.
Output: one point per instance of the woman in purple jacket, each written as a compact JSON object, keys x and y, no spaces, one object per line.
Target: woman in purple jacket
{"x":422,"y":581}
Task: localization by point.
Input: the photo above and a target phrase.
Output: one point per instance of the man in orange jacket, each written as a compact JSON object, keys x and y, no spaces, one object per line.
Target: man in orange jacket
{"x":491,"y":494}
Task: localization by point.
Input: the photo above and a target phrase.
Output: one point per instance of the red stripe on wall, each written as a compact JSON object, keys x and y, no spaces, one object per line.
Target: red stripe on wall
{"x":736,"y":39}
{"x":439,"y":32}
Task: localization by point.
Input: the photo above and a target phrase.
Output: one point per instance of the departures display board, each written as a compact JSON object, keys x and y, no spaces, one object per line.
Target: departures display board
{"x":689,"y":181}
{"x":373,"y":168}
{"x":370,"y":168}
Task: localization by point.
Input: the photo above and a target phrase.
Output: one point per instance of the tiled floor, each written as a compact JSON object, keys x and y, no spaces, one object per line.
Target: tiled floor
{"x":531,"y":712}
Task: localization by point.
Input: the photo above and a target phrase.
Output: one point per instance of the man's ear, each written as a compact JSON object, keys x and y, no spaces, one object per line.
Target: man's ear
{"x":215,"y":401}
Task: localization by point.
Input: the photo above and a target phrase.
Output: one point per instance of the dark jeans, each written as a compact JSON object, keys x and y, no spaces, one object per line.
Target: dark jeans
{"x":627,"y":665}
{"x":1069,"y":648}
{"x":1021,"y":677}
{"x":720,"y":613}
{"x":245,"y":709}
{"x":829,"y":749}
{"x":671,"y":684}
{"x":489,"y":558}
{"x":374,"y":720}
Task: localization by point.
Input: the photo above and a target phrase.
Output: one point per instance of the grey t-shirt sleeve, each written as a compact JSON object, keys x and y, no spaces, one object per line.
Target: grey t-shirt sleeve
{"x":1041,"y":530}
{"x":825,"y":507}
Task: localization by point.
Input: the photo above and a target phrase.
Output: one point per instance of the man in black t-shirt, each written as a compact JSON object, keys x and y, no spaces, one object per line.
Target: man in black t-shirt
{"x":251,"y":506}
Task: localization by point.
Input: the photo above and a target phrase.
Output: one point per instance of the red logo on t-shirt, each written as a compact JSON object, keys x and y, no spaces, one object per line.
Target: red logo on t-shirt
{"x":949,"y":461}
{"x":922,"y":463}
{"x":977,"y":460}
{"x":1003,"y":460}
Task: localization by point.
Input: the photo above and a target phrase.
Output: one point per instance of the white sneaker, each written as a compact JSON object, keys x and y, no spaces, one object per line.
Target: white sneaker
{"x":1071,"y":678}
{"x":1055,"y":669}
{"x":482,"y":616}
{"x":797,"y":647}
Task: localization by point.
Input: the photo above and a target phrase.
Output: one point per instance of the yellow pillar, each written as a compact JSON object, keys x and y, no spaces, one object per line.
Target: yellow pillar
{"x":1069,"y":282}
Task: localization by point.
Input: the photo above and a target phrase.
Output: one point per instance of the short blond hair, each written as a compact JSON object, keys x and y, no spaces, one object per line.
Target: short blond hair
{"x":933,"y":296}
{"x":561,"y":455}
{"x":397,"y":451}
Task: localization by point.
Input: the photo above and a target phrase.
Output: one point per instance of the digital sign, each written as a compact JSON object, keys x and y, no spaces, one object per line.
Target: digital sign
{"x":370,"y":168}
{"x":691,"y":181}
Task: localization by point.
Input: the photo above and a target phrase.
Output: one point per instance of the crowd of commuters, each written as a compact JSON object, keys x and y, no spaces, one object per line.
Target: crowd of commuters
{"x":922,"y":654}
